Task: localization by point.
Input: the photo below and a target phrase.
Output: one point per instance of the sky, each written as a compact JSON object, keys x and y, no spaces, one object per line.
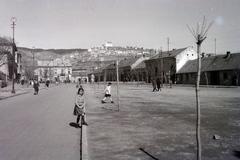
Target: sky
{"x":153,"y":24}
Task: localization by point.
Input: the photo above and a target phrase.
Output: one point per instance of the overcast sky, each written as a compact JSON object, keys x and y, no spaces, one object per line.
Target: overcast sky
{"x":142,"y":23}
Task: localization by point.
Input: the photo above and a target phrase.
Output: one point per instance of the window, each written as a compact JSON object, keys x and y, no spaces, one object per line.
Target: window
{"x":187,"y":77}
{"x":225,"y":76}
{"x":156,"y":70}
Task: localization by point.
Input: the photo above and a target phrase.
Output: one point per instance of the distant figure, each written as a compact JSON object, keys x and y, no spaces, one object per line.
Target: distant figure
{"x":107,"y":92}
{"x":22,"y":82}
{"x":158,"y":85}
{"x":154,"y":84}
{"x":79,"y":109}
{"x":170,"y":83}
{"x":36,"y":87}
{"x":47,"y":83}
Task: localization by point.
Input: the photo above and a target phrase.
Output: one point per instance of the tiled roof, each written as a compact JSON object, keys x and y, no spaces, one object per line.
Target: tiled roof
{"x":124,"y":63}
{"x":127,"y":62}
{"x":215,"y":63}
{"x":171,"y":53}
{"x":141,"y":65}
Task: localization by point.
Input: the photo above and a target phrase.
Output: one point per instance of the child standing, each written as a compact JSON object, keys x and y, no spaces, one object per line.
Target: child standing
{"x":79,"y":106}
{"x":107,"y":92}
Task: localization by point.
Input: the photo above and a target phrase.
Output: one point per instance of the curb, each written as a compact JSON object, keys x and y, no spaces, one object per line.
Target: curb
{"x":16,"y":94}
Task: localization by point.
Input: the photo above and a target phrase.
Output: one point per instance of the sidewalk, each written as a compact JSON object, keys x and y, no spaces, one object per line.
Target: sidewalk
{"x":6,"y":92}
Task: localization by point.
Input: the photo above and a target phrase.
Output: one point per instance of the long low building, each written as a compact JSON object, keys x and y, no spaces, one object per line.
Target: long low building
{"x":215,"y":70}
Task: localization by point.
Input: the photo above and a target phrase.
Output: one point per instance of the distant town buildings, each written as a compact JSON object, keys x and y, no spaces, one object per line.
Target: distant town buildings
{"x":55,"y":70}
{"x":135,"y":64}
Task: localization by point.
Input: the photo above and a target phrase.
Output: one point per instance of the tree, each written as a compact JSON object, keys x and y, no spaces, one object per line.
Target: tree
{"x":28,"y":69}
{"x":5,"y":48}
{"x":199,"y":36}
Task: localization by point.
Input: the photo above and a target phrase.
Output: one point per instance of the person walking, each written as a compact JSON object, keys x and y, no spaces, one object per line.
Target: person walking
{"x":170,"y":83}
{"x":107,"y":92}
{"x":158,"y":84}
{"x":154,"y":84}
{"x":36,"y":86}
{"x":79,"y":108}
{"x":47,"y":83}
{"x":22,"y":82}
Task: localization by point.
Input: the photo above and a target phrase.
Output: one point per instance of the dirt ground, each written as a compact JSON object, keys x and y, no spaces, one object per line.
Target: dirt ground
{"x":162,"y":125}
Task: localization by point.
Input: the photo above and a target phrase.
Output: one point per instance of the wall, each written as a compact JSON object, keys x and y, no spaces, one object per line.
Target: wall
{"x":183,"y":57}
{"x":211,"y":78}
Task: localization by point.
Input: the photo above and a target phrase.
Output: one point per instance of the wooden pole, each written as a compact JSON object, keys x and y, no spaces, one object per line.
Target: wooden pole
{"x":117,"y":86}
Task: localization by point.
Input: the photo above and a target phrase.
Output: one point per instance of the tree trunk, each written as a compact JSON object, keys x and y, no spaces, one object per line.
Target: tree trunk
{"x":199,"y":150}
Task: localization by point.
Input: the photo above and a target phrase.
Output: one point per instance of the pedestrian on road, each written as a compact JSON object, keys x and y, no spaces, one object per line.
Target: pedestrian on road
{"x":47,"y":83}
{"x":36,"y":87}
{"x":22,"y":82}
{"x":107,"y":92}
{"x":154,"y":84}
{"x":158,"y":84}
{"x":170,"y":83}
{"x":79,"y":109}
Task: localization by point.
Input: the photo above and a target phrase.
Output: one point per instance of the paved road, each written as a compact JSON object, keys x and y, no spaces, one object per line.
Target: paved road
{"x":37,"y":127}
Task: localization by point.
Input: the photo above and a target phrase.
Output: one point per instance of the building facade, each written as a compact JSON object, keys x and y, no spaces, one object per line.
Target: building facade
{"x":165,"y":65}
{"x":215,"y":70}
{"x":56,"y":70}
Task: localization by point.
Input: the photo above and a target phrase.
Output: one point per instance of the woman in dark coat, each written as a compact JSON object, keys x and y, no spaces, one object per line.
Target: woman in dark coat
{"x":154,"y":84}
{"x":158,"y":84}
{"x":36,"y":87}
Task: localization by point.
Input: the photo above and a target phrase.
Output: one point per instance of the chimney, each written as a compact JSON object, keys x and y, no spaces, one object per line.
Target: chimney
{"x":228,"y":55}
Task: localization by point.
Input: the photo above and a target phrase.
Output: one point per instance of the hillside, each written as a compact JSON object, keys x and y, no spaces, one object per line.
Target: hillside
{"x":48,"y":54}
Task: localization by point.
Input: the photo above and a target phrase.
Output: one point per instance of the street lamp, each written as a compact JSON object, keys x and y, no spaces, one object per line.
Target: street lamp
{"x":33,"y":62}
{"x":13,"y":19}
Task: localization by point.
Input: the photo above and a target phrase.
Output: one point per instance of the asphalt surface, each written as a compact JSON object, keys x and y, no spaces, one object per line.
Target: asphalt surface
{"x":38,"y":127}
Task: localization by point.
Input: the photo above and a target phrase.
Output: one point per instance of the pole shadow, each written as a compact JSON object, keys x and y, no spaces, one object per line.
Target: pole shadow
{"x":236,"y":153}
{"x":107,"y":108}
{"x":141,"y":149}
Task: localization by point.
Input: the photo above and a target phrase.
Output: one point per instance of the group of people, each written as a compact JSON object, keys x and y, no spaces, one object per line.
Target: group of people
{"x":157,"y":84}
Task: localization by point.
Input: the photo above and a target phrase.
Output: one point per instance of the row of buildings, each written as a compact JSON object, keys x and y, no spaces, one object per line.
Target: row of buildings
{"x":177,"y":66}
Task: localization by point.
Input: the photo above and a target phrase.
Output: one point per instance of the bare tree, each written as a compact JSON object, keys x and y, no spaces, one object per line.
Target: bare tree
{"x":200,"y":36}
{"x":5,"y":48}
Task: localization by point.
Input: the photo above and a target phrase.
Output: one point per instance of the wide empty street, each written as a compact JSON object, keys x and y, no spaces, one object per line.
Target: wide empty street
{"x":37,"y":127}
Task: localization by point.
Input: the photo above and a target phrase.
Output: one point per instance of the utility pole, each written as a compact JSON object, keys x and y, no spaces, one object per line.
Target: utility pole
{"x":13,"y":19}
{"x":161,"y":68}
{"x":168,"y":43}
{"x":117,"y":62}
{"x":33,"y":62}
{"x":200,"y":36}
{"x":215,"y":46}
{"x":98,"y":72}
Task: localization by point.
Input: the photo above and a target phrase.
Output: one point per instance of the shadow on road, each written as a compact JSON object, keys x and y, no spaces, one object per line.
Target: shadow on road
{"x":73,"y":124}
{"x":148,"y":153}
{"x":237,"y":154}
